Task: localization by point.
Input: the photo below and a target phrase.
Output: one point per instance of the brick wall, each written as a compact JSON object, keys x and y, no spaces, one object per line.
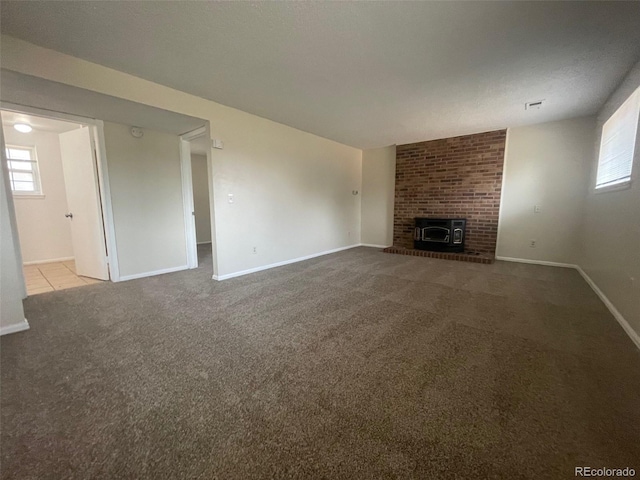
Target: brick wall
{"x":454,"y":177}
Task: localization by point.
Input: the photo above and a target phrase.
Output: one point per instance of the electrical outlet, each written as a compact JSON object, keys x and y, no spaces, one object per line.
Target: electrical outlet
{"x":532,"y":244}
{"x":231,"y":198}
{"x":255,"y":250}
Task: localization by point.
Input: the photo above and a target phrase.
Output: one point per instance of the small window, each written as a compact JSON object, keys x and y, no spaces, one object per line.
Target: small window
{"x":617,"y":144}
{"x":23,"y":170}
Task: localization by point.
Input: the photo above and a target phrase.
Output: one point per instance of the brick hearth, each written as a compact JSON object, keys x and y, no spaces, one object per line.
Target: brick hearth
{"x":462,"y":257}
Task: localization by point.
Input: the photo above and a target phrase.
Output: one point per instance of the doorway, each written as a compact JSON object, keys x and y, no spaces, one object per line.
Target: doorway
{"x":54,"y":177}
{"x":196,"y":175}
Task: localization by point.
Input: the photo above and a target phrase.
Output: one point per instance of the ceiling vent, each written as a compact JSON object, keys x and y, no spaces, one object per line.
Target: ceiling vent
{"x":533,"y":105}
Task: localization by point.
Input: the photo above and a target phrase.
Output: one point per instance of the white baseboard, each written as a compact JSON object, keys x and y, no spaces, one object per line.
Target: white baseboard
{"x":537,"y":262}
{"x":16,"y":327}
{"x":633,"y":335}
{"x":280,"y":264}
{"x":124,"y":278}
{"x":614,"y":311}
{"x":373,"y":246}
{"x":53,"y":260}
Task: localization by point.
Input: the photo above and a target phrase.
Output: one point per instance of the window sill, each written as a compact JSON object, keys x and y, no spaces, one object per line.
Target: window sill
{"x":613,"y":188}
{"x":27,"y":196}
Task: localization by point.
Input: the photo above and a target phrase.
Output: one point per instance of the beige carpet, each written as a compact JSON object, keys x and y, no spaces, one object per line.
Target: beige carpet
{"x":354,"y":365}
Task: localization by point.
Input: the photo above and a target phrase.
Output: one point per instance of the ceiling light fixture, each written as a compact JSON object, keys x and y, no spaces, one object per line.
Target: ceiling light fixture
{"x":22,"y":127}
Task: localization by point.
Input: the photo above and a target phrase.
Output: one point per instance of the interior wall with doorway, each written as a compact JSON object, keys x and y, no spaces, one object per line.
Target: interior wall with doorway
{"x":146,"y":193}
{"x":45,"y":234}
{"x":283,"y":181}
{"x":152,"y":240}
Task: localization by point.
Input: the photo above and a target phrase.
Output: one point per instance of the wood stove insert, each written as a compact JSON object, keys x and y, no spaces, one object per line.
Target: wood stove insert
{"x":439,"y":234}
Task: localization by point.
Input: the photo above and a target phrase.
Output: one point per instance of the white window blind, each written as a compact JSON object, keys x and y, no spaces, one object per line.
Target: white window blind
{"x":618,"y":143}
{"x":23,"y":170}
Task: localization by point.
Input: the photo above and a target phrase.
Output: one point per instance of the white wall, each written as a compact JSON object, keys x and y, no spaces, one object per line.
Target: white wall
{"x":378,"y":193}
{"x":546,"y":165}
{"x":45,"y":233}
{"x":611,"y":233}
{"x":292,"y":189}
{"x":146,"y":193}
{"x":11,"y":282}
{"x":292,"y":198}
{"x":200,"y":175}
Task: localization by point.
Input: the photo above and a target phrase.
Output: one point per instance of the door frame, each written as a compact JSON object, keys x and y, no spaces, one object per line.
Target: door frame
{"x":187,"y":192}
{"x":102,"y":176}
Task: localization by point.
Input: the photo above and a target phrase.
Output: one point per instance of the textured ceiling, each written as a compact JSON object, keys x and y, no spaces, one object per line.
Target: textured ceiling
{"x":363,"y":73}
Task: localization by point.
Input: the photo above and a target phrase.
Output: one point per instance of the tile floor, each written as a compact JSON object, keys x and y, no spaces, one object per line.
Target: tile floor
{"x":47,"y":277}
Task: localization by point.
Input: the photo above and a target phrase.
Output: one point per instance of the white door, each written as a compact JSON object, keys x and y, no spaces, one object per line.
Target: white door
{"x":83,"y":202}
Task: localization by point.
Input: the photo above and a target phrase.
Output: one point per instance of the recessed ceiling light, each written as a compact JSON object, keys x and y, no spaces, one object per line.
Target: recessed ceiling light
{"x":23,"y":127}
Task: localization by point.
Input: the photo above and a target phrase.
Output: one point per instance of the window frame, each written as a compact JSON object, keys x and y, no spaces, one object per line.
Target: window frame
{"x":35,"y":169}
{"x":624,"y":185}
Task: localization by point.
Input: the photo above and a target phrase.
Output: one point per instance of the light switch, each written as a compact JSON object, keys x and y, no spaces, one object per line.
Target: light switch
{"x":217,"y":143}
{"x":231,"y":198}
{"x":536,"y":209}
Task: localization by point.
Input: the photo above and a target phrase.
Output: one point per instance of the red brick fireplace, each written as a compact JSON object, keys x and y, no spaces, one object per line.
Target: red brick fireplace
{"x":458,"y":177}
